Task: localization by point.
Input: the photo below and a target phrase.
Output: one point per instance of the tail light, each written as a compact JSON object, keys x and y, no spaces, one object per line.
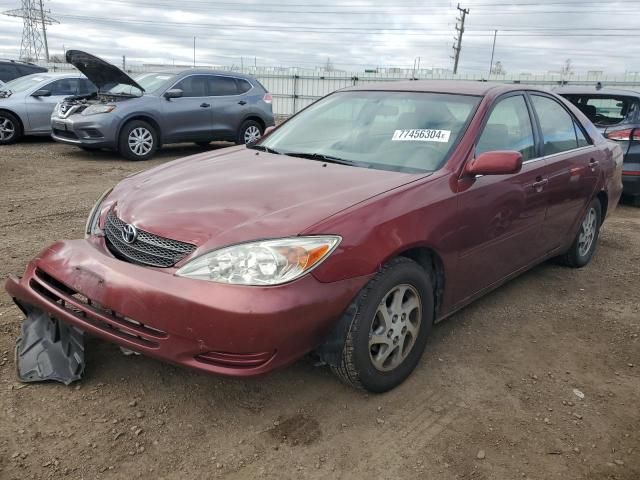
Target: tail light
{"x":268,"y":98}
{"x":624,"y":135}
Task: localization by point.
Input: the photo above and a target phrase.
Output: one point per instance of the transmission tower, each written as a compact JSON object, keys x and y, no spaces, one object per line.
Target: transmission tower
{"x":34,"y":19}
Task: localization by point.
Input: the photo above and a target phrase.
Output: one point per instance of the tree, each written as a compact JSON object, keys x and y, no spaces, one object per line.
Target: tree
{"x":498,"y":69}
{"x":567,"y":68}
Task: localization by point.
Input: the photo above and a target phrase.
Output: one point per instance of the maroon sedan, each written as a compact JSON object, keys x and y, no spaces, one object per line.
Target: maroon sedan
{"x":347,"y":231}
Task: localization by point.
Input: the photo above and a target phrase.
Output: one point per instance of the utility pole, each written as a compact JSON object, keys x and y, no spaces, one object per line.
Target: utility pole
{"x":460,"y":29}
{"x":124,"y":63}
{"x":34,"y":33}
{"x":194,"y":52}
{"x":493,"y":50}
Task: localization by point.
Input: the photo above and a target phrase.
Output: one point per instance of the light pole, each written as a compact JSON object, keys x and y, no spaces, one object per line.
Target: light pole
{"x":493,"y":50}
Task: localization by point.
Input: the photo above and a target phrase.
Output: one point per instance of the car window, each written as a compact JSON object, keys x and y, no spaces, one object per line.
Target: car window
{"x":508,"y":128}
{"x":243,"y":85}
{"x":221,"y":86}
{"x":582,"y":139}
{"x":63,"y":86}
{"x":605,"y":109}
{"x":193,"y":86}
{"x":85,"y":87}
{"x":398,"y":131}
{"x":558,"y":127}
{"x":8,"y":72}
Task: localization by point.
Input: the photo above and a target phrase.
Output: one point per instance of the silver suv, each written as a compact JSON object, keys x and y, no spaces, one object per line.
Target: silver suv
{"x":137,"y":116}
{"x":26,"y":103}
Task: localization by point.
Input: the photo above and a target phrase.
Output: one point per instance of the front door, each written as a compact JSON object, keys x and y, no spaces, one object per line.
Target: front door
{"x":188,"y":118}
{"x":502,"y":215}
{"x":39,"y":109}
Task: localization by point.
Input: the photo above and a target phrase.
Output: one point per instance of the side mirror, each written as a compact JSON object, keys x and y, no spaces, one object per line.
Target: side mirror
{"x":269,"y":130}
{"x":41,"y":93}
{"x":173,"y":93}
{"x":499,"y":162}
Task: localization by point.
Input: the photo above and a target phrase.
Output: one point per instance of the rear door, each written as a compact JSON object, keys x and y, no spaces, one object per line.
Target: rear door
{"x":573,"y":165}
{"x":188,"y":118}
{"x":502,"y":215}
{"x":228,"y":106}
{"x":39,"y":109}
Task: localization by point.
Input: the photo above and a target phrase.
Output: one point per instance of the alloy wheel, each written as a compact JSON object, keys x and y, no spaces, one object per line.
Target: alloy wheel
{"x":140,"y":141}
{"x":587,"y":232}
{"x":7,"y":129}
{"x":252,"y":134}
{"x":395,"y":327}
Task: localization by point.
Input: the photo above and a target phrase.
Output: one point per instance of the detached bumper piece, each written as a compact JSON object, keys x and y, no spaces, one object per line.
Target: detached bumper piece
{"x":49,"y":349}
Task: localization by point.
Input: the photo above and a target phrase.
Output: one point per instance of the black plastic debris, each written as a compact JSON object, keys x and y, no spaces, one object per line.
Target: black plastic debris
{"x":49,"y":349}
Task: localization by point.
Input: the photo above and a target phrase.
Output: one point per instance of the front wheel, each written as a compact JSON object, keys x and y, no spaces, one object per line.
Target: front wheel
{"x":10,"y":131}
{"x":584,"y":245}
{"x":389,"y":329}
{"x":250,"y":132}
{"x":138,"y":141}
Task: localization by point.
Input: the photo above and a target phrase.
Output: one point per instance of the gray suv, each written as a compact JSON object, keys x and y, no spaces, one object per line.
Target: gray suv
{"x":137,"y":116}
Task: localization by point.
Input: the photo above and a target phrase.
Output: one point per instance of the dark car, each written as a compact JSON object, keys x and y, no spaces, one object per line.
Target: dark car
{"x":137,"y":116}
{"x":12,"y":69}
{"x":348,"y":230}
{"x":616,"y":113}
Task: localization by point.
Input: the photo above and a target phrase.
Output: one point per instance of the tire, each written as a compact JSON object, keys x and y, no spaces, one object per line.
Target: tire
{"x":137,"y":131}
{"x":10,"y":128}
{"x":578,"y":254}
{"x":203,"y":144}
{"x":357,"y":366}
{"x":245,"y":132}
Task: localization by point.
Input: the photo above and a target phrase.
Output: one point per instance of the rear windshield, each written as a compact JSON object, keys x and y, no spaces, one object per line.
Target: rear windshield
{"x":605,"y":109}
{"x":400,"y":131}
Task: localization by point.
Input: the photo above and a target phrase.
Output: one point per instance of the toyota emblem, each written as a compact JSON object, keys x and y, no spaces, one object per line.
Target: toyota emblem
{"x":129,"y":233}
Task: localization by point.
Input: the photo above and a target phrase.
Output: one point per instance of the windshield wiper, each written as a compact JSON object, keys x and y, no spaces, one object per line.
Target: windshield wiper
{"x":323,"y":158}
{"x":263,"y":148}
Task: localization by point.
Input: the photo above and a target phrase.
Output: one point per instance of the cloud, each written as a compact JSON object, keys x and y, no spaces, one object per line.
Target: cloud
{"x":355,"y":34}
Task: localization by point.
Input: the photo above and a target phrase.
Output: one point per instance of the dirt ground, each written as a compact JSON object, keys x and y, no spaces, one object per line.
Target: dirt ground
{"x":493,"y":397}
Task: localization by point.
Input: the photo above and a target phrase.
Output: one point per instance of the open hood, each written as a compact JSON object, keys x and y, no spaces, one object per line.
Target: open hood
{"x":101,"y":73}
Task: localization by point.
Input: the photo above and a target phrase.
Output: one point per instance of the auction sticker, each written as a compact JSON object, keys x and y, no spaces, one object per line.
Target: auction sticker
{"x":421,"y":135}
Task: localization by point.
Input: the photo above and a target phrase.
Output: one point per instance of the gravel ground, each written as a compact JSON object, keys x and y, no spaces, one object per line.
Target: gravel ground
{"x":493,"y":397}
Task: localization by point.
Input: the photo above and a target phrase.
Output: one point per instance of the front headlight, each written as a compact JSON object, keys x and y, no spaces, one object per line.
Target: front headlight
{"x":98,"y":108}
{"x":91,"y":228}
{"x":267,"y":262}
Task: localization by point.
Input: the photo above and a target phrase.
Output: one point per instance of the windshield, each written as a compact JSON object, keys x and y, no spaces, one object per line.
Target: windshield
{"x":401,"y":131}
{"x":23,"y":83}
{"x":149,"y":81}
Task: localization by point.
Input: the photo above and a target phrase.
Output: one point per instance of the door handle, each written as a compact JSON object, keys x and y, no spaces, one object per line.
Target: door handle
{"x":593,"y":164}
{"x":205,"y":105}
{"x":242,"y":102}
{"x":539,"y":184}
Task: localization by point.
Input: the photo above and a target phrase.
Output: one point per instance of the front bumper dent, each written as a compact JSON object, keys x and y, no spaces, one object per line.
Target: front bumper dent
{"x":222,"y":329}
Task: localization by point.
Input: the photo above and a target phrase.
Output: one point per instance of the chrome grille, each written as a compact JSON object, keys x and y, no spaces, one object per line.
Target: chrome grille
{"x":147,"y":248}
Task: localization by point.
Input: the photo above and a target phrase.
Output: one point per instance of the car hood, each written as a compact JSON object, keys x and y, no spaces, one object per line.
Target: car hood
{"x":238,"y":195}
{"x":101,"y":73}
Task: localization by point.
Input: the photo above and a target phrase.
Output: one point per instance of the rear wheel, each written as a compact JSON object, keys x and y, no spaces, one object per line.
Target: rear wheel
{"x":10,"y":129}
{"x":138,"y":140}
{"x":250,"y":132}
{"x":389,"y":330}
{"x":585,"y":243}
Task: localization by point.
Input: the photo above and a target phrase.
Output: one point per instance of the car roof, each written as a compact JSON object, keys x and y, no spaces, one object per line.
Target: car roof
{"x":461,"y":87}
{"x":204,"y":71}
{"x":50,"y":75}
{"x":19,"y":62}
{"x":592,"y":90}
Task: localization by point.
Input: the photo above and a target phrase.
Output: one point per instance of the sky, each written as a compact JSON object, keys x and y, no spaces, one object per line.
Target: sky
{"x":533,"y":36}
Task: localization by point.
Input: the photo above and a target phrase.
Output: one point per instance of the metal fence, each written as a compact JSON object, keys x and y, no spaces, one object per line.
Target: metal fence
{"x":293,"y":89}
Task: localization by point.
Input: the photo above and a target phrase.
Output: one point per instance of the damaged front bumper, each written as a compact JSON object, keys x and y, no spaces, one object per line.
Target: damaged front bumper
{"x":215,"y":328}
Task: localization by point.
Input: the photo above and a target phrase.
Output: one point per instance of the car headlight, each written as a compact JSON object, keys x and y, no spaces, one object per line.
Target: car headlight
{"x":92,"y":222}
{"x":266,"y":262}
{"x":98,"y":108}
